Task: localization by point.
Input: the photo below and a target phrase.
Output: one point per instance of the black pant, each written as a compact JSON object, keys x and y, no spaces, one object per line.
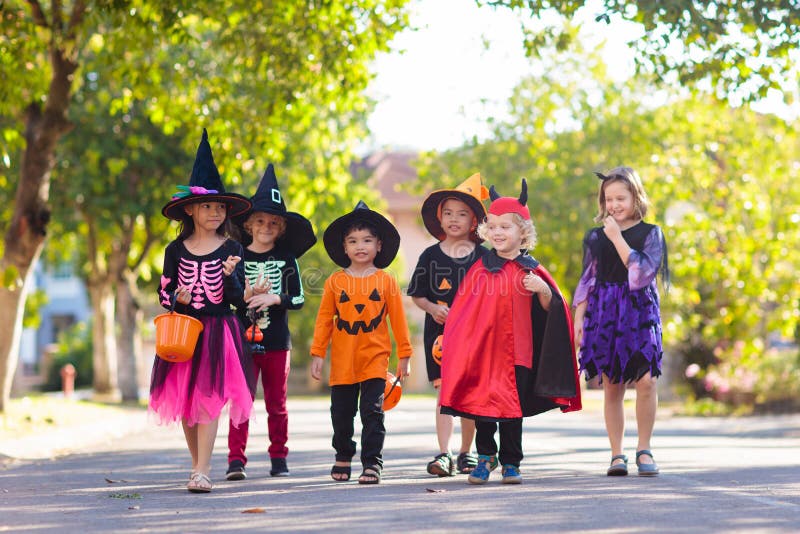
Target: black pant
{"x":344,"y":402}
{"x":510,"y":440}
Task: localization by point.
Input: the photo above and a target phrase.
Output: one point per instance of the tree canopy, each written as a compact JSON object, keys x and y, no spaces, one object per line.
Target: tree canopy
{"x":281,"y":81}
{"x":723,"y":183}
{"x":742,"y":49}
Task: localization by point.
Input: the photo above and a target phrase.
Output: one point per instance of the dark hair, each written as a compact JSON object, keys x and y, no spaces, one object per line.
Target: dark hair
{"x":186,"y":229}
{"x":360,"y":224}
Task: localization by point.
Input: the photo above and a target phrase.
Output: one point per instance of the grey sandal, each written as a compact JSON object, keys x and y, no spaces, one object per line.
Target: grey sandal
{"x":618,"y":470}
{"x":646,"y":470}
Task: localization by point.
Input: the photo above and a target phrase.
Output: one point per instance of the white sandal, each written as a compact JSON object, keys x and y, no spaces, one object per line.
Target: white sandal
{"x":199,"y":483}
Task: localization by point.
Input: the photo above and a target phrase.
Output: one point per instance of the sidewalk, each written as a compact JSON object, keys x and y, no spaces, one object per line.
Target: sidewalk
{"x":120,"y":421}
{"x":717,"y":475}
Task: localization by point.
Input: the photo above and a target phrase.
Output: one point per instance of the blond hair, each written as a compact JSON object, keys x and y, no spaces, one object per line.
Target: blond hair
{"x":526,"y":228}
{"x":248,"y":224}
{"x":631,"y":179}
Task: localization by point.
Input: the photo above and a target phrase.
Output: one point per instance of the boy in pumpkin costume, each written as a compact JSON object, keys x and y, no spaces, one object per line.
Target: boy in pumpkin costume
{"x":356,"y":303}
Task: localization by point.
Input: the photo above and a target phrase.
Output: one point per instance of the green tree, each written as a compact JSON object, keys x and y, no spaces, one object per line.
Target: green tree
{"x":274,"y":80}
{"x":742,"y":48}
{"x":723,"y":183}
{"x":109,"y":185}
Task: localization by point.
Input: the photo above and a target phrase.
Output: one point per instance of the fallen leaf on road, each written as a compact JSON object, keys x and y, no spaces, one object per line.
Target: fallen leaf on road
{"x":114,"y":481}
{"x":431,"y":490}
{"x":133,"y":507}
{"x":254,"y":511}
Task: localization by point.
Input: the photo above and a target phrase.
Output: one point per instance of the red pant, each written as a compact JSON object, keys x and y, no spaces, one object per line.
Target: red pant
{"x":274,"y":369}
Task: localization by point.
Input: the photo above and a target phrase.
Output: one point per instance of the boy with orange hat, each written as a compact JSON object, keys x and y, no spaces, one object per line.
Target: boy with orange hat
{"x":452,"y":217}
{"x":508,"y":349}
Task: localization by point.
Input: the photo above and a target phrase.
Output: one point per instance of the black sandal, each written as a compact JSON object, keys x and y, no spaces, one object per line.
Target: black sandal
{"x":340,"y":470}
{"x":466,"y":462}
{"x":370,"y":475}
{"x":442,"y":465}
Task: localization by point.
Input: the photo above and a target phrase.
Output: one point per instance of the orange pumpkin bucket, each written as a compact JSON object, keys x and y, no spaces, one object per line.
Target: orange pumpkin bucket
{"x":176,"y":336}
{"x":436,"y":350}
{"x":392,"y":391}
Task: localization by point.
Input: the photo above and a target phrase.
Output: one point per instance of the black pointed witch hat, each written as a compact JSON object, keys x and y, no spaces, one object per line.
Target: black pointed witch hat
{"x":333,"y":238}
{"x":299,"y":235}
{"x":205,"y":185}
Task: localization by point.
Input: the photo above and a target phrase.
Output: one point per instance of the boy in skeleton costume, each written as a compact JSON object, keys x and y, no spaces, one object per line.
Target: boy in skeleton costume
{"x":274,"y":238}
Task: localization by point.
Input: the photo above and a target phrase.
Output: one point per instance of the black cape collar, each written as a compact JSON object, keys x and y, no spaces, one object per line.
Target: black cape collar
{"x":494,"y":263}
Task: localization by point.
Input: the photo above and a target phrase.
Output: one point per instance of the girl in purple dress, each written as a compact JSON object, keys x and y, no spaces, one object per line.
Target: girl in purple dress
{"x":202,"y":277}
{"x":617,"y":316}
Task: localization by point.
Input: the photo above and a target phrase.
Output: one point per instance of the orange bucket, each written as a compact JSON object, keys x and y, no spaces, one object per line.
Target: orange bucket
{"x":176,"y":336}
{"x":436,"y":350}
{"x":392,"y":392}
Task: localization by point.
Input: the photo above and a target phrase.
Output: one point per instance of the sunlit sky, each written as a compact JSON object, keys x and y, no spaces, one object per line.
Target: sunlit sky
{"x":441,"y":82}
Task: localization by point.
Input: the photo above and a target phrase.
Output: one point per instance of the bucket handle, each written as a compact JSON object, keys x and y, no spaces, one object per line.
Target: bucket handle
{"x":173,"y":300}
{"x":396,"y":381}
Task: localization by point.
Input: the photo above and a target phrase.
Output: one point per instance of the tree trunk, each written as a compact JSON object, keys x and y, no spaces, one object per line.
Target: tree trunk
{"x":129,"y":346}
{"x":24,"y":238}
{"x":12,"y":302}
{"x":104,"y":359}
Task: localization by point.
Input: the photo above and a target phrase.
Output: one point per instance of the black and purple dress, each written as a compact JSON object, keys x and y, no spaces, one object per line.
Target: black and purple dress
{"x":220,"y":372}
{"x":622,"y":322}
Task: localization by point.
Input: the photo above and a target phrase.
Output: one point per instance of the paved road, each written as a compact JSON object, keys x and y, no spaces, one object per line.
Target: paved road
{"x":718,"y":475}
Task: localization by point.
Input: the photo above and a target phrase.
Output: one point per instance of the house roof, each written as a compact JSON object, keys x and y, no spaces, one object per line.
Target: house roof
{"x":392,"y":174}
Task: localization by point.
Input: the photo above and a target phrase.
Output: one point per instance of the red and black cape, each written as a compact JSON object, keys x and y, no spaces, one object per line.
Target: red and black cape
{"x":503,"y":355}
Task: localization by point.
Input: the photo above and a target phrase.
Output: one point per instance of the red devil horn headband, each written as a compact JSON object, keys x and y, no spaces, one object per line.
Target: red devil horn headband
{"x":501,"y":205}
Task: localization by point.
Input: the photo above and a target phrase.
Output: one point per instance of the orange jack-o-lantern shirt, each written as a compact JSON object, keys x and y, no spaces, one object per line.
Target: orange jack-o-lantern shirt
{"x":352,"y":319}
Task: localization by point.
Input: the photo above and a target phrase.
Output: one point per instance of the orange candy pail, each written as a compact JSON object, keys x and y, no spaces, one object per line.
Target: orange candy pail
{"x":391,"y":392}
{"x":176,"y":336}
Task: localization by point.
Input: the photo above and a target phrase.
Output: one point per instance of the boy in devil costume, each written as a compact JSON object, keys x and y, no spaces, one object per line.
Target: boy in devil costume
{"x":508,"y":351}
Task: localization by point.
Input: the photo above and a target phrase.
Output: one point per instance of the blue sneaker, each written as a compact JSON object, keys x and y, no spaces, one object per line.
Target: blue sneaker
{"x":511,"y":474}
{"x":480,"y":475}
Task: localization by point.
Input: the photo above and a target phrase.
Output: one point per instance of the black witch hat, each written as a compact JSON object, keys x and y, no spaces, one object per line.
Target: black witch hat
{"x":387,"y":233}
{"x":299,"y":235}
{"x":204,"y":185}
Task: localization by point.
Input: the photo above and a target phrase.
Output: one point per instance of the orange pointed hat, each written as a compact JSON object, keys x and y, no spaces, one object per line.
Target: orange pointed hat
{"x":471,"y":192}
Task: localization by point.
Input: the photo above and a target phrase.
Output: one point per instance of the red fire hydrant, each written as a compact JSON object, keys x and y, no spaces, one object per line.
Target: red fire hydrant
{"x":68,"y":374}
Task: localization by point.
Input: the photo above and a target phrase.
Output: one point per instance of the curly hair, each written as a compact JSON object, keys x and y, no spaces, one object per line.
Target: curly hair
{"x":248,"y":224}
{"x":526,"y":228}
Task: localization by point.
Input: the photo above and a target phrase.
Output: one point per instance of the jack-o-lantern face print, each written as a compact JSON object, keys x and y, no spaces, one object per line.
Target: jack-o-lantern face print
{"x":354,"y":317}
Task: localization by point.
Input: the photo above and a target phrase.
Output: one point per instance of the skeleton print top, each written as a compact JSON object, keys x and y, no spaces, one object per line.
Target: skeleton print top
{"x":280,"y":268}
{"x":212,"y":291}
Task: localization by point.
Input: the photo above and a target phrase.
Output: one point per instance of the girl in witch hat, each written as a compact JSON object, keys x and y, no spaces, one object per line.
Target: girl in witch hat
{"x":352,"y":319}
{"x":507,"y":346}
{"x":452,"y":217}
{"x":203,"y":277}
{"x":272,"y":287}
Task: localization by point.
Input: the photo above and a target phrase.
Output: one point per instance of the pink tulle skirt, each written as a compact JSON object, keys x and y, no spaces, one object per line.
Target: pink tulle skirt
{"x":218,"y":375}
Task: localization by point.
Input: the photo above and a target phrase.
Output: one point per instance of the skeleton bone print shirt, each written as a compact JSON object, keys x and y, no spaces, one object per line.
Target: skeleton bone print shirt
{"x":212,"y":291}
{"x":280,"y":268}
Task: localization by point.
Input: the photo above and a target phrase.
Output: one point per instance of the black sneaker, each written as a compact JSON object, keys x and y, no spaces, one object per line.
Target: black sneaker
{"x":236,"y":471}
{"x":279,"y":468}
